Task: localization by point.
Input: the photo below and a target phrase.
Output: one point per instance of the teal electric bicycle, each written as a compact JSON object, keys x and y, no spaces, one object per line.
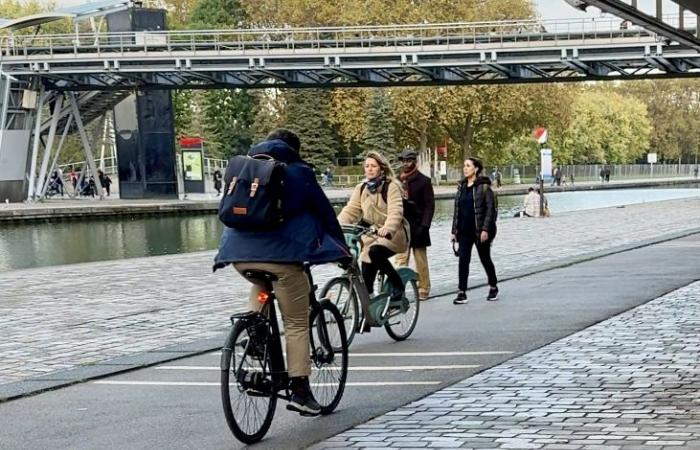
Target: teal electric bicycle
{"x":359,"y":310}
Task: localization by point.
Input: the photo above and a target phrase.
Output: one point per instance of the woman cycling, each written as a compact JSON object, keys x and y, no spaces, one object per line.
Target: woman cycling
{"x":378,"y":201}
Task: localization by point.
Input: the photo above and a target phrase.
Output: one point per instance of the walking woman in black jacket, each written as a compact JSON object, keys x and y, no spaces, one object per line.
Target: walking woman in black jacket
{"x":474,"y":224}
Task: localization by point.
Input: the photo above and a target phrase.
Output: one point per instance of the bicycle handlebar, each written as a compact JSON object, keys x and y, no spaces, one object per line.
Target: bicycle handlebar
{"x":360,"y":230}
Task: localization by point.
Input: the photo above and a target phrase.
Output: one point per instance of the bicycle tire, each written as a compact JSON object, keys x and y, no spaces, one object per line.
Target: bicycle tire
{"x":239,"y":421}
{"x":328,"y":384}
{"x":349,"y":307}
{"x":393,"y":328}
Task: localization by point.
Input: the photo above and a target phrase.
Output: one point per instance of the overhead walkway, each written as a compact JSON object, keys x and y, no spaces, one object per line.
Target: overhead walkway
{"x":460,"y":53}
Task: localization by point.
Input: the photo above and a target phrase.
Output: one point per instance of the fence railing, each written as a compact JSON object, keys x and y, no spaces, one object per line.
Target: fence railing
{"x":510,"y":174}
{"x":497,"y":32}
{"x":528,"y":174}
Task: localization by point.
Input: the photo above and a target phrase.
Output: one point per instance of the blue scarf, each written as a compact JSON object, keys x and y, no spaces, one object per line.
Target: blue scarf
{"x":373,"y":184}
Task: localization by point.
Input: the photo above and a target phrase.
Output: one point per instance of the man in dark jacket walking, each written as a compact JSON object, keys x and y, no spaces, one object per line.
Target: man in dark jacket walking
{"x":310,"y":233}
{"x":419,"y":192}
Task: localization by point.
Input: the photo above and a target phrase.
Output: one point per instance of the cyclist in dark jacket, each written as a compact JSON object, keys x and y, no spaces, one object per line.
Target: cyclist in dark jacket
{"x":474,"y":224}
{"x":310,"y":233}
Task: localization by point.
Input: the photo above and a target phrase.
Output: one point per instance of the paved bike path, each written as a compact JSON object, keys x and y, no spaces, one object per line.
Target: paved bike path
{"x":180,"y":408}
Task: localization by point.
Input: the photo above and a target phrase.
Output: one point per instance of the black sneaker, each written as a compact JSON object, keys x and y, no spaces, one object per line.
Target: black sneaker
{"x":493,"y":294}
{"x":396,"y":298}
{"x":302,"y":400}
{"x":461,"y":298}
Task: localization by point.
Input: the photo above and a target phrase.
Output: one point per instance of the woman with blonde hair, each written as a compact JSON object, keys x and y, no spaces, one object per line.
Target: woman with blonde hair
{"x":378,"y":201}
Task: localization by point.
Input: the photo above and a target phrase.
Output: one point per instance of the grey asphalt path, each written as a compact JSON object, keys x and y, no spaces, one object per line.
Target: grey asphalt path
{"x":533,"y":311}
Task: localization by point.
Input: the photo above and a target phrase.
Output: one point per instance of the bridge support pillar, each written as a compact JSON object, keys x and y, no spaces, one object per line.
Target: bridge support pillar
{"x":144,"y":124}
{"x":15,"y":137}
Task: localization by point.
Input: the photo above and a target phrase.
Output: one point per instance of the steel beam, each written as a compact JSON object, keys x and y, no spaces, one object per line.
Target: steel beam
{"x":651,"y":23}
{"x":86,"y":144}
{"x":48,"y":147}
{"x":35,"y":143}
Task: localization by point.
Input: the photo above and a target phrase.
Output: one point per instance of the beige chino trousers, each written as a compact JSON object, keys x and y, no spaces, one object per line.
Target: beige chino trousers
{"x":421,"y":257}
{"x":292,"y":290}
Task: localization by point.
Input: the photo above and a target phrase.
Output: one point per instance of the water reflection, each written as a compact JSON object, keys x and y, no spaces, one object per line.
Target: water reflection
{"x":46,"y":244}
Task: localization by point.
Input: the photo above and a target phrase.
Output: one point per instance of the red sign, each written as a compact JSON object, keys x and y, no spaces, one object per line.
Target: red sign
{"x":191,"y":142}
{"x":541,"y":135}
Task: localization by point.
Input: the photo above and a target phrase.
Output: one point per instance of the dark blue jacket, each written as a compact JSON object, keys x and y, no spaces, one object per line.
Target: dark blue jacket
{"x":311,"y":232}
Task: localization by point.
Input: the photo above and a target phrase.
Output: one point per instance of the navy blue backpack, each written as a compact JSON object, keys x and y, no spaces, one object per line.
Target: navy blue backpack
{"x":252,"y":199}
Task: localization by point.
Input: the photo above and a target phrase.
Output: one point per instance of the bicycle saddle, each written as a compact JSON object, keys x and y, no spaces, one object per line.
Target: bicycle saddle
{"x":259,"y":275}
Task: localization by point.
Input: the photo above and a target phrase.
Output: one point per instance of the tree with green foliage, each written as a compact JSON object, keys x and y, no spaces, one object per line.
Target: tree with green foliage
{"x":606,"y":128}
{"x":307,"y":114}
{"x":208,"y":14}
{"x":229,"y":115}
{"x":380,"y":125}
{"x":223,"y":117}
{"x":415,"y":112}
{"x":674,"y":111}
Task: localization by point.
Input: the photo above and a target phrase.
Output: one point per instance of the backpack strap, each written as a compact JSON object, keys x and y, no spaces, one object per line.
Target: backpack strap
{"x":232,"y":185}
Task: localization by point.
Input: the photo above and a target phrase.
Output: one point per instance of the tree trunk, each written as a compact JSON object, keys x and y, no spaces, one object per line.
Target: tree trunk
{"x":467,"y":138}
{"x":423,"y":139}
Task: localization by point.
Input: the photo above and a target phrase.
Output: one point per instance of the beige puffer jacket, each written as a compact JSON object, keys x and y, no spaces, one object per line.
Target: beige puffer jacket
{"x":364,"y":205}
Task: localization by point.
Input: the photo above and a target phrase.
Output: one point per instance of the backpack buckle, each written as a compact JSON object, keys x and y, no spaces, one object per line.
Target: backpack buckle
{"x":254,"y":187}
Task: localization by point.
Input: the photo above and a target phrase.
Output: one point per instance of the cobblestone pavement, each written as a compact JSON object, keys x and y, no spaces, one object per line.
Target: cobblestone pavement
{"x":632,"y":381}
{"x":68,"y":316}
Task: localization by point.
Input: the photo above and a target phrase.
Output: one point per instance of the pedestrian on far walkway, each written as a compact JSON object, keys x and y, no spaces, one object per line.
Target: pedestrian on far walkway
{"x":105,"y":181}
{"x":696,"y":171}
{"x":418,"y":190}
{"x":607,"y":174}
{"x":474,"y":224}
{"x":73,"y":178}
{"x":217,"y":181}
{"x":602,"y":175}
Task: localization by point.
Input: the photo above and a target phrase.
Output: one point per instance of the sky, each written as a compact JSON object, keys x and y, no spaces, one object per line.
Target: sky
{"x":559,"y":9}
{"x":547,"y":9}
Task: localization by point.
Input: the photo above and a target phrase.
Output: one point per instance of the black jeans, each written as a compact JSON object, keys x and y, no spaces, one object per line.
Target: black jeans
{"x":379,"y":255}
{"x":465,"y":255}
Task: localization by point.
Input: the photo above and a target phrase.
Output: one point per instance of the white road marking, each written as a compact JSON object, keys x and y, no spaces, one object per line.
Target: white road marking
{"x":385,"y":355}
{"x":407,"y":354}
{"x":351,"y":368}
{"x":194,"y":383}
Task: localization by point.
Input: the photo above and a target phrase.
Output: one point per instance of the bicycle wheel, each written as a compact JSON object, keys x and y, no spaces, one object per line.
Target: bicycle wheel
{"x":341,"y":294}
{"x":329,"y":355}
{"x":248,"y":412}
{"x":402,"y":323}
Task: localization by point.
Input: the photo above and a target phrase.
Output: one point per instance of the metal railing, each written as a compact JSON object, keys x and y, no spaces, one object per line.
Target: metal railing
{"x":501,"y":33}
{"x":589,"y":172}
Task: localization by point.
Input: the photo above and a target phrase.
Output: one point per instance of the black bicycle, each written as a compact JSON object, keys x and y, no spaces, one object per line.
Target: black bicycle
{"x":253,"y":371}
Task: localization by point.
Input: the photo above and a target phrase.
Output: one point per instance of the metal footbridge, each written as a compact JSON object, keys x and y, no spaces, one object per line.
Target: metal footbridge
{"x":459,"y":53}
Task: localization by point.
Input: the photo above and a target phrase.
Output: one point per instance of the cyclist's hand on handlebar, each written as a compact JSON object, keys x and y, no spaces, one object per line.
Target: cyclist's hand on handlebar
{"x":383,"y":232}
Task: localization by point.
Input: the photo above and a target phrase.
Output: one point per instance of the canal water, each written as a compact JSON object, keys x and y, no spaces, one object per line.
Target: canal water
{"x":66,"y":242}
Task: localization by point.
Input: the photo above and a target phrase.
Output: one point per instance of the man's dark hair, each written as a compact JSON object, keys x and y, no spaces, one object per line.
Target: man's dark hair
{"x":530,"y":189}
{"x":287,"y":136}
